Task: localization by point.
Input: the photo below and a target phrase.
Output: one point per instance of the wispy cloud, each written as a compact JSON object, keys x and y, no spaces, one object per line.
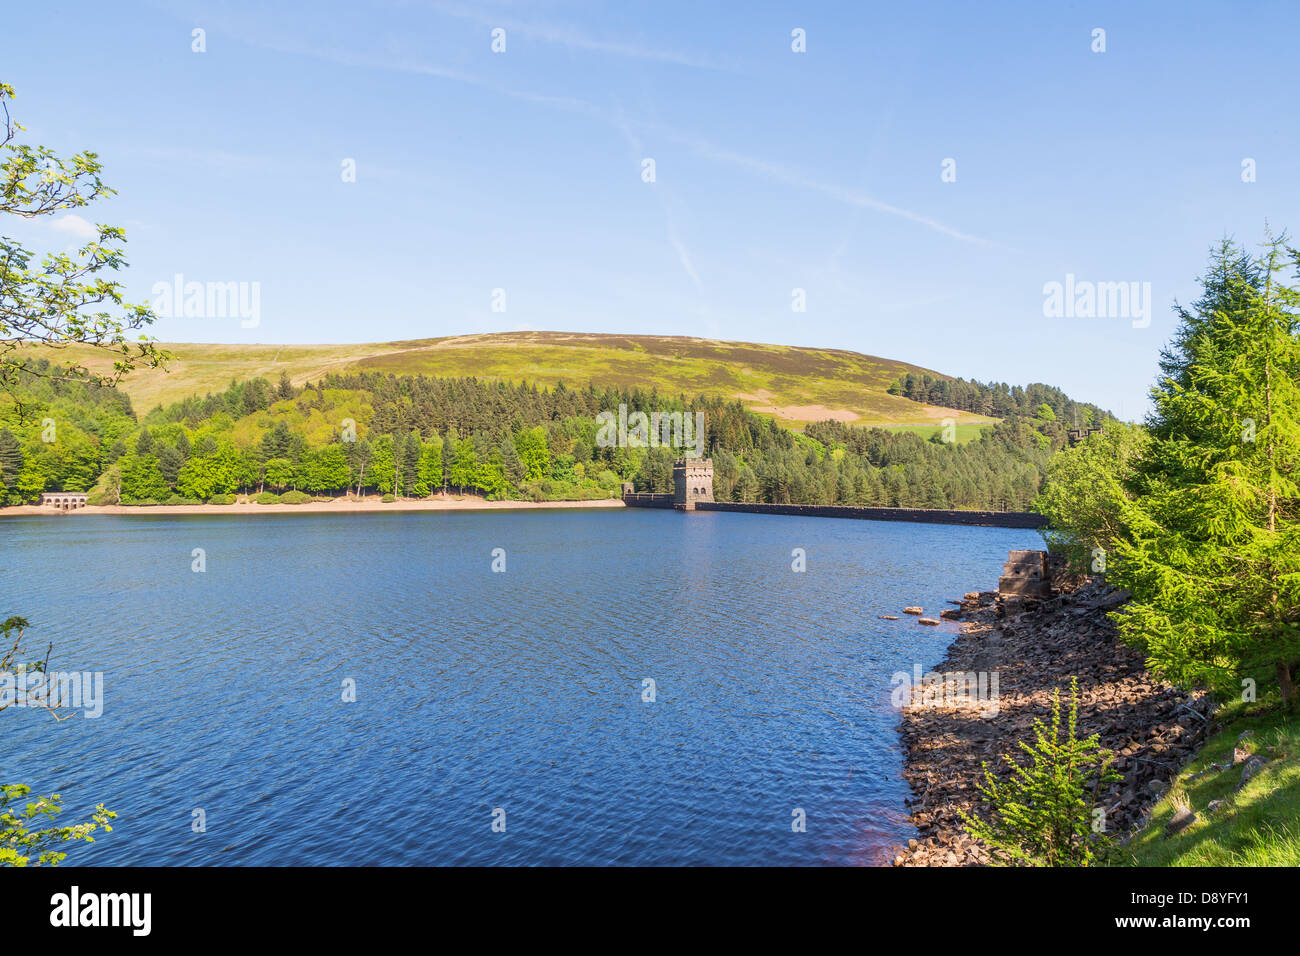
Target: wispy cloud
{"x":575,"y":39}
{"x":852,"y":197}
{"x":674,"y":238}
{"x":683,"y":256}
{"x":768,"y":170}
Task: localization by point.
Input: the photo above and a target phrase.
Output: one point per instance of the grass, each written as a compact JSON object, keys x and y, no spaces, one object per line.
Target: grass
{"x":793,"y":385}
{"x":1258,"y":825}
{"x":965,"y":432}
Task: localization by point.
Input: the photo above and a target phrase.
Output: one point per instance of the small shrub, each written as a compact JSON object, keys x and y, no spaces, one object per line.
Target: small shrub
{"x":388,"y":499}
{"x":295,"y":498}
{"x":221,"y":500}
{"x":267,"y":498}
{"x":1043,"y":814}
{"x":181,"y":500}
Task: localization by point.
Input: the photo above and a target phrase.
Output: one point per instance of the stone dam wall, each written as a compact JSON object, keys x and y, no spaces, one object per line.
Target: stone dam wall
{"x":989,"y":519}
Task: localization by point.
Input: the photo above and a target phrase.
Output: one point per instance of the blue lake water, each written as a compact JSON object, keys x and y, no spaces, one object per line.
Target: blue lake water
{"x":523,"y":690}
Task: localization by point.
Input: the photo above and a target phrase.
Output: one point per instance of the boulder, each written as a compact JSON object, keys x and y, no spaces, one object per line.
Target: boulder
{"x":1181,"y":820}
{"x":1250,"y":768}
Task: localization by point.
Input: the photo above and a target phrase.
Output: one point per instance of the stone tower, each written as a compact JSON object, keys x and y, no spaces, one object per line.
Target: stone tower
{"x":692,"y":482}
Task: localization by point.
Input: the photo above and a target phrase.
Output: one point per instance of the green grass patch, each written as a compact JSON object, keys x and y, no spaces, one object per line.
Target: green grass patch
{"x":965,"y":432}
{"x":1258,"y":825}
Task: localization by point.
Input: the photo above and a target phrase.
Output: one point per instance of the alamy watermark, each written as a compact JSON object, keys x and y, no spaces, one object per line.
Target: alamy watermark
{"x":976,"y":690}
{"x":55,"y":690}
{"x":682,"y":430}
{"x":208,"y":300}
{"x":1082,"y":299}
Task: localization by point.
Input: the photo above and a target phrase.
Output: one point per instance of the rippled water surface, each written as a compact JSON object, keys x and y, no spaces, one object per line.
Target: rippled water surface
{"x":478,"y":690}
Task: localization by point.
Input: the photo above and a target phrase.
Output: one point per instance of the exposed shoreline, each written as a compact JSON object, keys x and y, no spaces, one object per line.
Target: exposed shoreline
{"x":1152,"y":727}
{"x":336,"y":506}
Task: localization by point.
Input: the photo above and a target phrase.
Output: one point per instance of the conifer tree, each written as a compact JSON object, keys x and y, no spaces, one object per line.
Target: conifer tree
{"x":1212,"y":544}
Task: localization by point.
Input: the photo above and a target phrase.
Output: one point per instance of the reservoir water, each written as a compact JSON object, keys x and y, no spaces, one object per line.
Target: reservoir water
{"x":481,"y":695}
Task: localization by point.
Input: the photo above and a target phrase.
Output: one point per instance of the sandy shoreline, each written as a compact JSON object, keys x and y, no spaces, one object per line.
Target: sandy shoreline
{"x":338,"y":505}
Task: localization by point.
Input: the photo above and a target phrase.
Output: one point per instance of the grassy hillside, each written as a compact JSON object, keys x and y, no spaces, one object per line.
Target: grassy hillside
{"x":1255,"y":824}
{"x":793,"y":385}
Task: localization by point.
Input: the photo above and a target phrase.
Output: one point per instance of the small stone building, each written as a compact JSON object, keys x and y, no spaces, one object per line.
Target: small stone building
{"x":692,"y":482}
{"x":63,"y":500}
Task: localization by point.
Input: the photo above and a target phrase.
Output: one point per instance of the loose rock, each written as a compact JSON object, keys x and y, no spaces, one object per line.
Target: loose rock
{"x":1181,"y":820}
{"x":1035,"y":650}
{"x":1250,"y":768}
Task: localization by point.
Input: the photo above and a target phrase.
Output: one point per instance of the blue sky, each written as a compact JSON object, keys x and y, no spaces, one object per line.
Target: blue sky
{"x":774,"y":170}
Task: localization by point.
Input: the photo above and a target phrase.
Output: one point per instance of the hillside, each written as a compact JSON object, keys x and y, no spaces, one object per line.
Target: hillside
{"x":481,"y":416}
{"x":793,"y":385}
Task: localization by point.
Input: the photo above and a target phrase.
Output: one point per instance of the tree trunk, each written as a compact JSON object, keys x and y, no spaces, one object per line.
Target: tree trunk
{"x":1285,"y":682}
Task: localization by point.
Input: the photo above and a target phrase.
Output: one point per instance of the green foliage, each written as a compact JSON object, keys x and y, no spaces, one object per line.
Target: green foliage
{"x":1085,"y":491}
{"x":1211,"y":549}
{"x":295,"y":498}
{"x":24,"y":843}
{"x":530,"y":444}
{"x":65,"y":299}
{"x":998,"y":400}
{"x":142,"y":480}
{"x":1042,"y":814}
{"x":279,"y":473}
{"x":267,"y":498}
{"x":223,"y":472}
{"x":324,"y":470}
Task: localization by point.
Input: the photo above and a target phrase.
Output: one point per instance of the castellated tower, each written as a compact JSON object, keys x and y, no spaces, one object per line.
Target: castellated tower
{"x":692,"y":482}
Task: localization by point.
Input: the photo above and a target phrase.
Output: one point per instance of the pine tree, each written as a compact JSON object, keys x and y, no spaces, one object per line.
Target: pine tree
{"x":1212,"y":544}
{"x":11,"y":456}
{"x":410,"y":462}
{"x":511,"y":462}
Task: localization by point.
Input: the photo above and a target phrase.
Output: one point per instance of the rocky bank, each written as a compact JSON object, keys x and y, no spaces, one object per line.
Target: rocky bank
{"x":1035,"y":647}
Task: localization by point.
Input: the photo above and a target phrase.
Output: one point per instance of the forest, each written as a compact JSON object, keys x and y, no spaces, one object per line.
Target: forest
{"x":997,"y":400}
{"x":412,"y":436}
